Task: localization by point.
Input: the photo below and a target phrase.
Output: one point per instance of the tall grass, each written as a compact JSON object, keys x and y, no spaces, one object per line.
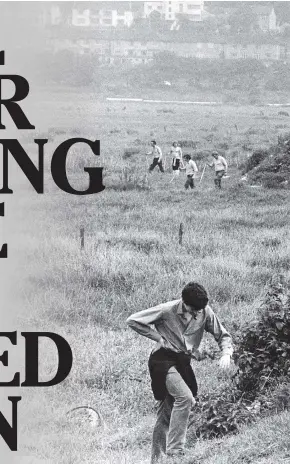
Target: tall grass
{"x":233,"y":241}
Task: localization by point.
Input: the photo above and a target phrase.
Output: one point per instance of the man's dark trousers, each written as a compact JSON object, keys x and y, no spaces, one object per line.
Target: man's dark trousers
{"x":156,"y":163}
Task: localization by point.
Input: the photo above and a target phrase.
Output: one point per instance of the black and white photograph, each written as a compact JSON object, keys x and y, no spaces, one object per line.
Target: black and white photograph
{"x":144,"y":232}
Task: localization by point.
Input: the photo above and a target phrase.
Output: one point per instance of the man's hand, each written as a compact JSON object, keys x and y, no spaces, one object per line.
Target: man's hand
{"x":225,"y":361}
{"x":159,"y":344}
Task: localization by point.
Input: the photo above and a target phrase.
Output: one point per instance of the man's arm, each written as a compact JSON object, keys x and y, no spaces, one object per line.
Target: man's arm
{"x":221,"y":335}
{"x":160,"y":154}
{"x":141,"y":321}
{"x":224,"y":163}
{"x":194,"y":166}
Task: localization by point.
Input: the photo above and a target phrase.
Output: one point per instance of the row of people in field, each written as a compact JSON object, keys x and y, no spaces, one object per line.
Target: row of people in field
{"x":180,"y":161}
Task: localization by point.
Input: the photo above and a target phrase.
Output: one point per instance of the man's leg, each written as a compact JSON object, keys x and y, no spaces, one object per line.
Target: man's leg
{"x":161,"y":429}
{"x":187,"y":182}
{"x":219,"y":178}
{"x":216,"y":180}
{"x":154,"y":163}
{"x":191,"y":184}
{"x":183,"y":401}
{"x":161,"y":166}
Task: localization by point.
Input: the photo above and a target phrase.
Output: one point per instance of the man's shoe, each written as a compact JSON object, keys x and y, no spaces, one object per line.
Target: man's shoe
{"x":177,"y":457}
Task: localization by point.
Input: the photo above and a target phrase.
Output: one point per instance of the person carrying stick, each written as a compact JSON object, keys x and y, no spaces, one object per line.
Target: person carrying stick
{"x":220,"y":166}
{"x":177,"y":327}
{"x":190,"y":171}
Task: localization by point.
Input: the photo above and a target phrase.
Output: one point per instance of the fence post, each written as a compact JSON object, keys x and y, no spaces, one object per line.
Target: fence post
{"x":180,"y":233}
{"x":82,"y":235}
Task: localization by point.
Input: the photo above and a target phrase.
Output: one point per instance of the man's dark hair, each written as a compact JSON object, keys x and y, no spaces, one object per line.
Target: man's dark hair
{"x":153,"y":141}
{"x":194,"y":294}
{"x":188,"y":157}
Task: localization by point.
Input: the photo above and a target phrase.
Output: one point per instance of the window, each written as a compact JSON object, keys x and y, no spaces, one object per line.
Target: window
{"x":193,"y":7}
{"x":180,"y":8}
{"x":169,"y":10}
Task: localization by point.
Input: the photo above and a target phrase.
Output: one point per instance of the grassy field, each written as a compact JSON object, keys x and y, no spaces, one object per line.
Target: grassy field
{"x":234,"y":240}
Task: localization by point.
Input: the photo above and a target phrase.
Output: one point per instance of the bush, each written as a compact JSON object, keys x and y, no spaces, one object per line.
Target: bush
{"x":263,"y":352}
{"x":188,"y":143}
{"x":128,"y":152}
{"x":262,"y":357}
{"x":255,"y":159}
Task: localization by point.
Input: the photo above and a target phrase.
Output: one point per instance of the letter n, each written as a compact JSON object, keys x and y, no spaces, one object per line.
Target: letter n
{"x":9,"y":432}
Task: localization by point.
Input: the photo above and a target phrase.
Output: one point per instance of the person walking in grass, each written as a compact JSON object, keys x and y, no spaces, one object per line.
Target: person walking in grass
{"x":220,"y":166}
{"x":177,"y":327}
{"x":190,"y":171}
{"x":157,"y":157}
{"x":177,"y":161}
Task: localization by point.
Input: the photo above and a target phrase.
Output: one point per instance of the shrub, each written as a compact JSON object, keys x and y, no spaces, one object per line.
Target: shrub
{"x":188,"y":143}
{"x":263,"y":351}
{"x":128,"y":152}
{"x":255,"y":159}
{"x":262,"y":357}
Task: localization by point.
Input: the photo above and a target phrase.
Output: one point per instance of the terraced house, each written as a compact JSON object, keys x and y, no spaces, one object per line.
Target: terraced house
{"x":172,"y":10}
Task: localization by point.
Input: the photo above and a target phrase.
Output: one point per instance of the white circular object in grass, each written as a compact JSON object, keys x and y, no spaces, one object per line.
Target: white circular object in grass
{"x":85,"y":416}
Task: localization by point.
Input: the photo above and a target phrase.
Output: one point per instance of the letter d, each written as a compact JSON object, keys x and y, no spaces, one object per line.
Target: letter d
{"x":65,"y":359}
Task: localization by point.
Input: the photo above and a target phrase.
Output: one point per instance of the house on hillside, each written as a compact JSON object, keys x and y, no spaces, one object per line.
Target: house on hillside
{"x":104,"y":17}
{"x":266,"y":18}
{"x":139,"y":50}
{"x":102,"y":14}
{"x":172,"y":10}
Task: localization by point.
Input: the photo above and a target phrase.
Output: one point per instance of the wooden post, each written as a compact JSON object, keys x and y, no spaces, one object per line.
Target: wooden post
{"x":180,"y":233}
{"x":82,"y":235}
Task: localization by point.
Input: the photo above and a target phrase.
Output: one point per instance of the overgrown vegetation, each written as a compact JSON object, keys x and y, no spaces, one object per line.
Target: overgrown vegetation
{"x":262,"y":381}
{"x":233,"y":241}
{"x":271,"y":168}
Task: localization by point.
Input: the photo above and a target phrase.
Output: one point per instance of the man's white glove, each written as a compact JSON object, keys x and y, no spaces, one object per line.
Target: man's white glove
{"x":225,"y":361}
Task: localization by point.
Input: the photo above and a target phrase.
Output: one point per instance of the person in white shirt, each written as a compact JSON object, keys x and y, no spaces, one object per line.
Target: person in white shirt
{"x":220,"y":167}
{"x":157,"y":157}
{"x":178,"y":327}
{"x":190,"y":170}
{"x":177,"y":161}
